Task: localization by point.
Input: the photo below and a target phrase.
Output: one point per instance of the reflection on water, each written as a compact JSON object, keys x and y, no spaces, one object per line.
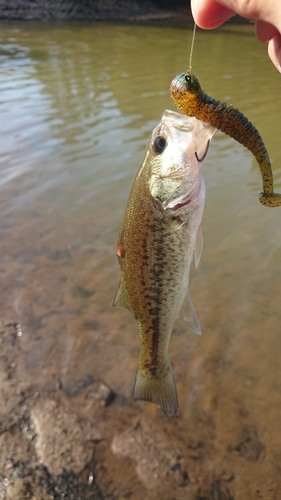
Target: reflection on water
{"x":77,"y":106}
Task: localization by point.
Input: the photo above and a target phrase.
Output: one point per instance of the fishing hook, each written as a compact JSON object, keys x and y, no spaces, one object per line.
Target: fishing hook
{"x":205,"y":154}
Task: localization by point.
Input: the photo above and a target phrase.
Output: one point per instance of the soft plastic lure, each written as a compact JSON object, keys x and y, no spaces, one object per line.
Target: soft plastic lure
{"x":191,"y":100}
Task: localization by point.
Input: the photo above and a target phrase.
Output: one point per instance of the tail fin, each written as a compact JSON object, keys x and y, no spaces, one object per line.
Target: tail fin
{"x":159,"y":390}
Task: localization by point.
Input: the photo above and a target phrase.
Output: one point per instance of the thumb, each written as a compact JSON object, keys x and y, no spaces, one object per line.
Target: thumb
{"x":209,"y":14}
{"x":212,"y":13}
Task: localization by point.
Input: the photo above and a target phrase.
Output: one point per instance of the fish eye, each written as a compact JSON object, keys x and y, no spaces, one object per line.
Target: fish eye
{"x":159,"y":143}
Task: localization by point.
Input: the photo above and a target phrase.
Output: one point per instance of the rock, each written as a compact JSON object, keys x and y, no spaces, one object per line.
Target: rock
{"x":60,"y":442}
{"x":157,"y":462}
{"x":15,"y":489}
{"x":102,"y":393}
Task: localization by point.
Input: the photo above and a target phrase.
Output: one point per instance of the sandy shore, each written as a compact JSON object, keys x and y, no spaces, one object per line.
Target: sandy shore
{"x":98,"y":445}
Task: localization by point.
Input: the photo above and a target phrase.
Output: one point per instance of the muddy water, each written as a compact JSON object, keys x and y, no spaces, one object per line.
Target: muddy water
{"x":77,"y":106}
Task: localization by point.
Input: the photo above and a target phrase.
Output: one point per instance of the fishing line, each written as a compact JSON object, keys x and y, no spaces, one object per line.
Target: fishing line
{"x":191,"y":49}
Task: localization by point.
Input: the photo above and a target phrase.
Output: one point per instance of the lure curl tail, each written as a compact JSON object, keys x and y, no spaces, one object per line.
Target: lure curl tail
{"x":191,"y":100}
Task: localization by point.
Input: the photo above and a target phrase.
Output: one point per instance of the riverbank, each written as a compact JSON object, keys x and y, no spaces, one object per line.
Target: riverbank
{"x":66,"y":10}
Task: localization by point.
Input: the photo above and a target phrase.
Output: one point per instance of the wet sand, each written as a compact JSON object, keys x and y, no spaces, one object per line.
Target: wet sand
{"x":99,"y":445}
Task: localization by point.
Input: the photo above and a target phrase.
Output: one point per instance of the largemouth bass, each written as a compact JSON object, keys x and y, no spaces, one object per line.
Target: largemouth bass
{"x":159,"y":236}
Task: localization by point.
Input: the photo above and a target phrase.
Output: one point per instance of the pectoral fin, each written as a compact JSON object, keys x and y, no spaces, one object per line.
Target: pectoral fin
{"x":187,"y":315}
{"x":121,"y":299}
{"x":198,"y":246}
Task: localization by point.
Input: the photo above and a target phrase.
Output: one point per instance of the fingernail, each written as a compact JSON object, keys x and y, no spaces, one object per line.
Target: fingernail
{"x":274,"y":51}
{"x":279,"y":59}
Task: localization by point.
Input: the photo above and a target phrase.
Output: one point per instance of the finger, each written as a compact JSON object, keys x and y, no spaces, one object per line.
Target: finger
{"x":274,"y":51}
{"x":265,"y":31}
{"x":212,"y":13}
{"x":209,"y":14}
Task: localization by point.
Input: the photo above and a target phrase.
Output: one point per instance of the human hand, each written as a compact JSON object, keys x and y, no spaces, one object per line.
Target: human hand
{"x":209,"y":14}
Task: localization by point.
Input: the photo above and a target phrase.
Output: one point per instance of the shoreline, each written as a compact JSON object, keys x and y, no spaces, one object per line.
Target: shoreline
{"x":63,"y":10}
{"x":71,"y":10}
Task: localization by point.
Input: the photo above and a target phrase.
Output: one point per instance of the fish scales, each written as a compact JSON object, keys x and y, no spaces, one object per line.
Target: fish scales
{"x":156,"y":244}
{"x":151,"y":241}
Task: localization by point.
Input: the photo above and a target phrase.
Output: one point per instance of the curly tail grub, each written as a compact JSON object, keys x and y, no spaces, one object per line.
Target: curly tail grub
{"x":191,"y":100}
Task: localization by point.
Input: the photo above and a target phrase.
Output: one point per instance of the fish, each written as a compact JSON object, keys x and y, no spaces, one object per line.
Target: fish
{"x":159,"y":237}
{"x":191,"y":100}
